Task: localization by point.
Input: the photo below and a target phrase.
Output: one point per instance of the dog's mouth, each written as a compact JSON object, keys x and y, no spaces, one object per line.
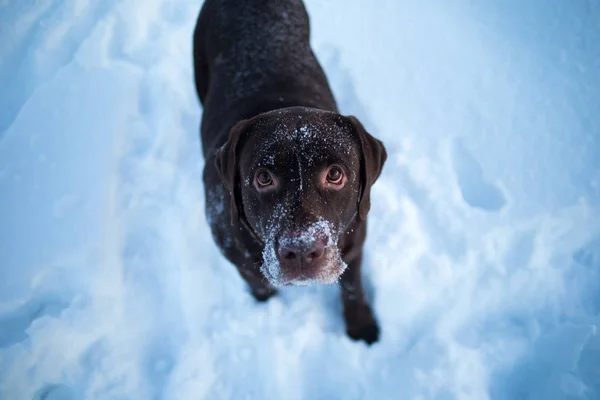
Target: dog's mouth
{"x":327,"y":270}
{"x":303,"y":259}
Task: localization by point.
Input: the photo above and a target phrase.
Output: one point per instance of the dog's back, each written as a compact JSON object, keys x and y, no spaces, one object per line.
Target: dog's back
{"x":253,"y":56}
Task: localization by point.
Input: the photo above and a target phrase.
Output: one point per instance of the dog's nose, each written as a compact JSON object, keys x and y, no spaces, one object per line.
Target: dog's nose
{"x":300,"y":253}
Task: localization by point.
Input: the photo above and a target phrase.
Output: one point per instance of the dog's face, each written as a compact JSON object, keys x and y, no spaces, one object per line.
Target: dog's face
{"x":298,"y":177}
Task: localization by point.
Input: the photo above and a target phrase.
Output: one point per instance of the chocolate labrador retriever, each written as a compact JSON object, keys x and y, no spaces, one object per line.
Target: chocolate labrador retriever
{"x":287,"y":178}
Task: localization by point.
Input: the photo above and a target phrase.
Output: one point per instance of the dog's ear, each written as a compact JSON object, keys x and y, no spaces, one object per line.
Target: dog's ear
{"x":226,"y":162}
{"x":373,"y":156}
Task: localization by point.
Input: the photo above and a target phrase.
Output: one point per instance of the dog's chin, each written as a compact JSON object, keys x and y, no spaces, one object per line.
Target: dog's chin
{"x":323,"y":278}
{"x":326,"y":272}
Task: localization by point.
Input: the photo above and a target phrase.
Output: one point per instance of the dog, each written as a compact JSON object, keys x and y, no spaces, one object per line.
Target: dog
{"x":287,"y":179}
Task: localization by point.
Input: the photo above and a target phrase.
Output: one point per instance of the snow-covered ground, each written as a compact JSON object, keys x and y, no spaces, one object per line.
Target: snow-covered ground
{"x":483,"y":256}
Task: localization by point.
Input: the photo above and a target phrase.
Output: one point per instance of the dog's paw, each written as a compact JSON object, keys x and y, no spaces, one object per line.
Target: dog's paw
{"x":263,"y":294}
{"x":368,"y":332}
{"x":361,"y":324}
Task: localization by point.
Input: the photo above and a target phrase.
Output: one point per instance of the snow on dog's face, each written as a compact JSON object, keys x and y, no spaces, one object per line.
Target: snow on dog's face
{"x":298,"y":177}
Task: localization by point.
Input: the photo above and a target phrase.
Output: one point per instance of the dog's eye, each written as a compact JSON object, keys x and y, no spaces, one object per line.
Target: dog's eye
{"x":335,"y":175}
{"x":263,"y":178}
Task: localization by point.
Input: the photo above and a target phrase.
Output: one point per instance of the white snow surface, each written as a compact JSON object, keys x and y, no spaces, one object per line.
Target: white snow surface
{"x":483,"y":254}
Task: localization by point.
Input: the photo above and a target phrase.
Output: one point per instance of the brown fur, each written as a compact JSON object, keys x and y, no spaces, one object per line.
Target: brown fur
{"x":267,"y":104}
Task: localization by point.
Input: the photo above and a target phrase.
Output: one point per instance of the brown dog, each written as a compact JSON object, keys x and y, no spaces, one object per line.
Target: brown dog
{"x":287,"y":178}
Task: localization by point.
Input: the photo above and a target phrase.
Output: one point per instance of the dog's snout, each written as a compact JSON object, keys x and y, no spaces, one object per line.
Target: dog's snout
{"x":301,"y":253}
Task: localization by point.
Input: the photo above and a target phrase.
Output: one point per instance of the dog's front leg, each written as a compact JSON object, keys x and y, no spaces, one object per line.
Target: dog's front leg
{"x":360,"y":321}
{"x":259,"y":286}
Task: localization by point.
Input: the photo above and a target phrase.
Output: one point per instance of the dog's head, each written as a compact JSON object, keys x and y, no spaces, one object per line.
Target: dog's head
{"x":297,"y":178}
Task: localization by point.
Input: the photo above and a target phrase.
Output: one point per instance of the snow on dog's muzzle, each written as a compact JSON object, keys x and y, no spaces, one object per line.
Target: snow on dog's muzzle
{"x":303,"y":257}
